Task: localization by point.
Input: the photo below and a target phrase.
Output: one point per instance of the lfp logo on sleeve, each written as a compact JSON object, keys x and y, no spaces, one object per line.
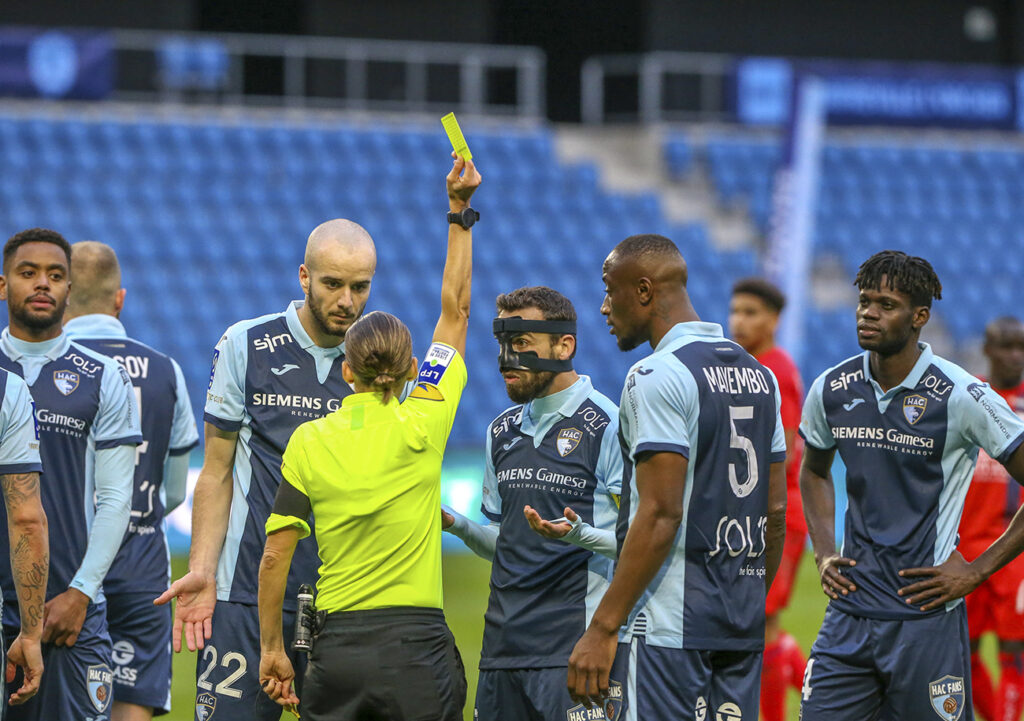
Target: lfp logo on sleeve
{"x":435,"y":364}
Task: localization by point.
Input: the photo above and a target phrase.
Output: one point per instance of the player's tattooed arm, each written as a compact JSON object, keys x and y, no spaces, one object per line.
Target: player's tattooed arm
{"x":30,"y":548}
{"x":819,"y":497}
{"x":955,"y":578}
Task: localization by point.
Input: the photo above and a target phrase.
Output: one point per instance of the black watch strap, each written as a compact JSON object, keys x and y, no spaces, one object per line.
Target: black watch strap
{"x":467,"y":218}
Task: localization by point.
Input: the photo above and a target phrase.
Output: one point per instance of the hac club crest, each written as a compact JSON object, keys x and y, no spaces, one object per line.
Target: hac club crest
{"x":206,"y":703}
{"x":568,"y":439}
{"x":913,"y":408}
{"x":66,"y":381}
{"x":100,"y":679}
{"x":947,"y":697}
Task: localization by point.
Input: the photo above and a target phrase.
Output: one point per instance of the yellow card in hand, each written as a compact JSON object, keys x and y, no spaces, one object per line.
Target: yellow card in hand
{"x":451,"y":126}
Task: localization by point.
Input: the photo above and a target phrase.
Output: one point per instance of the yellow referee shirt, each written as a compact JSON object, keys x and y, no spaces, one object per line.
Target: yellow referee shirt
{"x":372,"y":473}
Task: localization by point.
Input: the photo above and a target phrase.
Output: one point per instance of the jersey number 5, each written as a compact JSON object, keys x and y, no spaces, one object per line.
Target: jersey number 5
{"x":742,"y":443}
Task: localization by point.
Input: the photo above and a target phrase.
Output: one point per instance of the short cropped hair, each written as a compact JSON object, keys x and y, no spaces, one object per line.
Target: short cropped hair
{"x":552,"y":304}
{"x":35,"y":235}
{"x":767,"y":291}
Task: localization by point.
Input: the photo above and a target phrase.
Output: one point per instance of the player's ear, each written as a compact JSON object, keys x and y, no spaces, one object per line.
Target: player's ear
{"x":412,"y":369}
{"x":566,"y":346}
{"x":644,"y":290}
{"x":304,"y":278}
{"x":119,"y":300}
{"x":922,"y":314}
{"x":3,"y":287}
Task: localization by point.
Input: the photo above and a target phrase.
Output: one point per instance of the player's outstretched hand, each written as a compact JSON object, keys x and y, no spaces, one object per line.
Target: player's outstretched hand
{"x":63,"y":616}
{"x":940,"y":584}
{"x":447,"y":520}
{"x":550,"y":529}
{"x":196,"y":597}
{"x":590,"y":665}
{"x":277,"y":677}
{"x":462,"y":185}
{"x":28,"y":654}
{"x":833,"y":582}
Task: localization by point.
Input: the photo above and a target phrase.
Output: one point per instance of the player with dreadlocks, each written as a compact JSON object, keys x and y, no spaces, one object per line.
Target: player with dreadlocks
{"x":908,"y":425}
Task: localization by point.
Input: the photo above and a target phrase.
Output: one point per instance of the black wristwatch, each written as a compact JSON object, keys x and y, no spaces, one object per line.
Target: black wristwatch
{"x":466,"y":218}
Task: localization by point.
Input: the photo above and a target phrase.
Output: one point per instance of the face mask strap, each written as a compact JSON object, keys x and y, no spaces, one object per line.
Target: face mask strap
{"x":506,"y":329}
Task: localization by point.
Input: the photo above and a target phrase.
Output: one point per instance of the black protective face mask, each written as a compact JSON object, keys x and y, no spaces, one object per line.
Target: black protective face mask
{"x":506,"y":329}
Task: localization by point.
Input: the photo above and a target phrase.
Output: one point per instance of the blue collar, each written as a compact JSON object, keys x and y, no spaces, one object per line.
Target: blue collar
{"x":291,"y":316}
{"x":15,"y":348}
{"x":694,"y":328}
{"x":912,"y":379}
{"x":95,"y":325}
{"x":550,"y":408}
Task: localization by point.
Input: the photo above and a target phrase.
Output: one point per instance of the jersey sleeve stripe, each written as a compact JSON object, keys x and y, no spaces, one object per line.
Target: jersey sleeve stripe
{"x":115,"y":442}
{"x":1004,"y":457}
{"x":684,"y":451}
{"x":493,"y":517}
{"x":809,"y":444}
{"x":9,"y":468}
{"x":224,"y":425}
{"x":777,"y":457}
{"x":183,"y":449}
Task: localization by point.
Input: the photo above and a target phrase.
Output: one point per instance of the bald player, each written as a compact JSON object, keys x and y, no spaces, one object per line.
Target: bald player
{"x":140,"y":632}
{"x":270,"y":374}
{"x":696,"y":554}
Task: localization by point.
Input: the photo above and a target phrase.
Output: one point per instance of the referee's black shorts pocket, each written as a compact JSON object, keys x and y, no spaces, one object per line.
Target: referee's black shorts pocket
{"x":416,"y":673}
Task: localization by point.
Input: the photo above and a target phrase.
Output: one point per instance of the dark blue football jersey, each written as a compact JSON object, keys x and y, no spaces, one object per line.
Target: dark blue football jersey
{"x":168,"y":428}
{"x":544,"y":591}
{"x":705,"y":398}
{"x":909,"y":454}
{"x":268,"y":378}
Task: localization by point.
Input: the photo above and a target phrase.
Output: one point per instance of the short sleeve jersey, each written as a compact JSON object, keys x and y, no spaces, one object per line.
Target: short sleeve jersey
{"x":19,"y":434}
{"x":545,"y":591}
{"x":705,"y":398}
{"x":83,"y":404}
{"x":142,"y":563}
{"x":268,"y":378}
{"x":909,"y":454}
{"x":372,"y":473}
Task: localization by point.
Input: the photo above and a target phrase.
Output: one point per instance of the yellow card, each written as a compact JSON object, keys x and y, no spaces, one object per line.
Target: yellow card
{"x":451,"y":126}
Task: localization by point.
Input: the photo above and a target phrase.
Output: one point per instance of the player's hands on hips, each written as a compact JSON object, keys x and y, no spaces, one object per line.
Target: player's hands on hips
{"x":591,"y":664}
{"x":63,"y":617}
{"x":196,"y":596}
{"x":28,"y":654}
{"x":461,"y":185}
{"x":833,"y":582}
{"x":940,"y":584}
{"x":277,"y":677}
{"x":547,"y":528}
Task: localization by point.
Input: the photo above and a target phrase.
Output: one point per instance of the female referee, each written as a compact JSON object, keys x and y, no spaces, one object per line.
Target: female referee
{"x":370,"y":473}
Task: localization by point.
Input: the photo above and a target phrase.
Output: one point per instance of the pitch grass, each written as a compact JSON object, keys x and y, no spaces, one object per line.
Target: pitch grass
{"x":465,"y":592}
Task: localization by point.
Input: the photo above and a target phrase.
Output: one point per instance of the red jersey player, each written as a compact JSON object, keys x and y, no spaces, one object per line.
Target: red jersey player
{"x":998,"y":604}
{"x":753,"y":316}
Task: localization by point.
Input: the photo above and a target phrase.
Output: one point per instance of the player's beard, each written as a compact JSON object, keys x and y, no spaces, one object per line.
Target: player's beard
{"x":532,"y":384}
{"x":37,"y":320}
{"x":326,"y":324}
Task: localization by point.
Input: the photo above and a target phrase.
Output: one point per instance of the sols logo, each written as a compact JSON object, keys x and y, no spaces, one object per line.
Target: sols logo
{"x":89,"y":367}
{"x":845,"y":379}
{"x":271,"y":343}
{"x":738,"y":536}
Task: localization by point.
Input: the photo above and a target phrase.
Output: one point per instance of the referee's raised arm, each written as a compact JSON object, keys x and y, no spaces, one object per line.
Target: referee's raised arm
{"x":458,"y":267}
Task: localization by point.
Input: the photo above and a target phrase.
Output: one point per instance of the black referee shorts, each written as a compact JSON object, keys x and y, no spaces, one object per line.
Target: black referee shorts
{"x":389,"y":664}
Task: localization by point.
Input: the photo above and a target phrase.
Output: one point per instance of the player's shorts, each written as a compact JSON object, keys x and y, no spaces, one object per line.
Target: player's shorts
{"x":77,"y":682}
{"x":141,"y":634}
{"x":915,"y":669}
{"x":399,"y":664}
{"x":687,"y":685}
{"x":228,"y":667}
{"x":997,"y":605}
{"x":785,"y":578}
{"x":537,"y":694}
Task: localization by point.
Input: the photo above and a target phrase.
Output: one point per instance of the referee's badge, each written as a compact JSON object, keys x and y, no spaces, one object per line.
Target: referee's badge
{"x":66,"y":381}
{"x":568,"y":439}
{"x":947,"y":696}
{"x":913,"y":408}
{"x":205,"y":705}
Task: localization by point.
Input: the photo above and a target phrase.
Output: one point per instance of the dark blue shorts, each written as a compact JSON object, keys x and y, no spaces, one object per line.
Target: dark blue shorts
{"x":862,"y":669}
{"x":687,"y":685}
{"x":141,"y":633}
{"x":77,"y":682}
{"x":537,"y":694}
{"x":228,"y":667}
